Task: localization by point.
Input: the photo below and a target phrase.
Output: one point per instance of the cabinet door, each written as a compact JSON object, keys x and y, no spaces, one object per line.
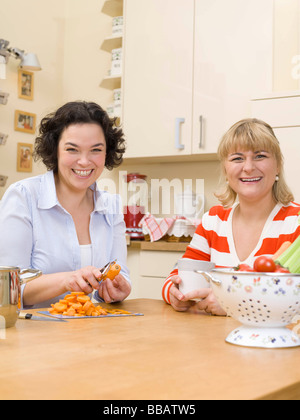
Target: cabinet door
{"x":158,"y":77}
{"x":233,"y":59}
{"x":289,"y":138}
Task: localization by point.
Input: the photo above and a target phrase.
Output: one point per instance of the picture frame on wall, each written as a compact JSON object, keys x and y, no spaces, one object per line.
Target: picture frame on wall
{"x":24,"y":157}
{"x":25,"y":121}
{"x":25,"y":84}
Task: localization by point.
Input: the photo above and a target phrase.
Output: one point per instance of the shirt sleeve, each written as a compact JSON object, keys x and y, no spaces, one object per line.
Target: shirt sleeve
{"x":16,"y":228}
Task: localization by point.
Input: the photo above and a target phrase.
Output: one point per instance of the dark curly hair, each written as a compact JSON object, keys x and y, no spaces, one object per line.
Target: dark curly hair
{"x":78,"y":112}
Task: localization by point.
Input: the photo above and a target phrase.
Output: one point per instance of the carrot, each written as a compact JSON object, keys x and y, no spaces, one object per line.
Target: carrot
{"x":60,"y":307}
{"x":281,"y":250}
{"x":87,"y":305}
{"x":71,"y":298}
{"x":83,"y":299}
{"x":79,"y":304}
{"x":71,"y":311}
{"x":90,"y":310}
{"x":113,"y":272}
{"x":53,"y":311}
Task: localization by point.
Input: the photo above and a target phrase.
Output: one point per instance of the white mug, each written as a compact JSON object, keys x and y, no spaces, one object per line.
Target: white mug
{"x":189,"y":204}
{"x":190,"y":280}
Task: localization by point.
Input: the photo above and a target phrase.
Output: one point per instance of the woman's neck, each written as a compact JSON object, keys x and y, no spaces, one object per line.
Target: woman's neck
{"x":256,"y":210}
{"x":72,"y":200}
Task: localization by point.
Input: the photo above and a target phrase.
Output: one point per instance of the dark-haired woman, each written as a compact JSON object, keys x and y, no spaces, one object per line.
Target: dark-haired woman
{"x":60,"y":222}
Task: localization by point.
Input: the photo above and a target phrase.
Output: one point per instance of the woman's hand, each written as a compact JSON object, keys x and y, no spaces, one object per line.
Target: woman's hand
{"x":177,"y":299}
{"x":208,"y":302}
{"x":114,"y":290}
{"x":49,"y":286}
{"x":82,"y":280}
{"x":182,"y":303}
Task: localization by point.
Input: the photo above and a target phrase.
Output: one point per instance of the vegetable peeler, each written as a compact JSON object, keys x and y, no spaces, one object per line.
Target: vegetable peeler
{"x":106,"y":269}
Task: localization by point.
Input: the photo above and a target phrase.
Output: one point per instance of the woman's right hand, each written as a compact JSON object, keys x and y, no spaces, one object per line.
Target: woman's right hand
{"x":82,"y":280}
{"x":49,"y":286}
{"x":177,"y":299}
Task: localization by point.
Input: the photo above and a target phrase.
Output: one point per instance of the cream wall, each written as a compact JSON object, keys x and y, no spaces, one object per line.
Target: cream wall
{"x":66,"y":36}
{"x":172,"y":172}
{"x":85,"y":64}
{"x":31,"y":27}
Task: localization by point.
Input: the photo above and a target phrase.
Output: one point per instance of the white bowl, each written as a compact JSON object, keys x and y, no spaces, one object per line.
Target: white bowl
{"x":265,"y":303}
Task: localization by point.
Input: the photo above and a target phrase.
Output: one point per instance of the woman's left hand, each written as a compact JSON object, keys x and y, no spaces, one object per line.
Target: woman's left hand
{"x":208,"y":302}
{"x":114,"y":290}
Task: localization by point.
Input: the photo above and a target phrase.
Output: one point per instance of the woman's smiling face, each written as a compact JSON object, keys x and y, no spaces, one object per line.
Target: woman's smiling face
{"x":251,"y":174}
{"x":81,"y":155}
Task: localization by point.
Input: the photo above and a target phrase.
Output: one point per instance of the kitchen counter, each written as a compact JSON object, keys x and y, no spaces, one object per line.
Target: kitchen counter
{"x":158,"y":246}
{"x":161,"y":355}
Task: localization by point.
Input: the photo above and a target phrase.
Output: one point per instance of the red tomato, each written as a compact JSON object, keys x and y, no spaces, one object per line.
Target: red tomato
{"x":264,"y":264}
{"x":280,"y":269}
{"x":244,"y":267}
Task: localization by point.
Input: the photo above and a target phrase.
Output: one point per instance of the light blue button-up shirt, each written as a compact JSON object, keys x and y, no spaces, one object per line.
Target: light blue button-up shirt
{"x":37,"y":232}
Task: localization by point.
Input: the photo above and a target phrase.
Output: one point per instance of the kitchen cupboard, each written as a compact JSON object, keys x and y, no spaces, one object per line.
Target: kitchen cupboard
{"x":189,"y":72}
{"x":158,"y":77}
{"x":282,"y":112}
{"x":148,"y":271}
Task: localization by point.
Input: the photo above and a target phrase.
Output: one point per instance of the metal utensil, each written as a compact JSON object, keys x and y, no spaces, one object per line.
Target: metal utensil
{"x":24,"y":315}
{"x":11,"y":279}
{"x":106,"y":269}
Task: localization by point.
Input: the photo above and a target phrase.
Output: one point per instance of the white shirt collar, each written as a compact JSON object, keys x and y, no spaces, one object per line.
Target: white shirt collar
{"x":48,"y":198}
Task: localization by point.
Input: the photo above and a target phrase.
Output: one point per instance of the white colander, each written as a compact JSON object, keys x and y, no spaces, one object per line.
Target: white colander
{"x":265,"y":303}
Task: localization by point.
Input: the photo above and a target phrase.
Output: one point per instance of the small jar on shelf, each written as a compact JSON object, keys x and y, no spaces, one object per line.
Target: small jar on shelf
{"x":115,"y":109}
{"x":116,"y":62}
{"x":117,"y":26}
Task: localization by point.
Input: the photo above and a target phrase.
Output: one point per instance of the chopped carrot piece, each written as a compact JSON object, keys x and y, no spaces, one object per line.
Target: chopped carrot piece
{"x":87,"y":305}
{"x":71,"y":312}
{"x":60,"y":307}
{"x":53,"y":311}
{"x":79,"y":304}
{"x":76,"y":306}
{"x":71,"y":298}
{"x":89,"y":311}
{"x":83,"y":299}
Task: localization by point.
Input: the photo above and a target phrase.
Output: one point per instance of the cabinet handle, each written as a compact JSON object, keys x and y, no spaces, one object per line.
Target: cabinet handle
{"x":201,"y":132}
{"x":178,"y":121}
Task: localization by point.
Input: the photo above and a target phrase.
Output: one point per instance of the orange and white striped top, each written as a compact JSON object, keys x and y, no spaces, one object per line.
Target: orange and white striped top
{"x":213,"y":239}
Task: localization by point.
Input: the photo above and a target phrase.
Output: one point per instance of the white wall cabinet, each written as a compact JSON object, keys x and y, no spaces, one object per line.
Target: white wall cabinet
{"x":282,"y":112}
{"x":158,"y":76}
{"x":190,"y":72}
{"x":232,"y":59}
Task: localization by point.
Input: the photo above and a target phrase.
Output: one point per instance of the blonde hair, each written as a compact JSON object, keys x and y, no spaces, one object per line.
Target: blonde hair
{"x":251,"y":134}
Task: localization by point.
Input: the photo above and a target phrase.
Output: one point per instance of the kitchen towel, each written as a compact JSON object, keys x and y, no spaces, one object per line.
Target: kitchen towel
{"x":157,"y":228}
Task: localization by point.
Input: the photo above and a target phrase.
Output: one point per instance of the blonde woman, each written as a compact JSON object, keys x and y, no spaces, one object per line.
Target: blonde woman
{"x":257,"y":212}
